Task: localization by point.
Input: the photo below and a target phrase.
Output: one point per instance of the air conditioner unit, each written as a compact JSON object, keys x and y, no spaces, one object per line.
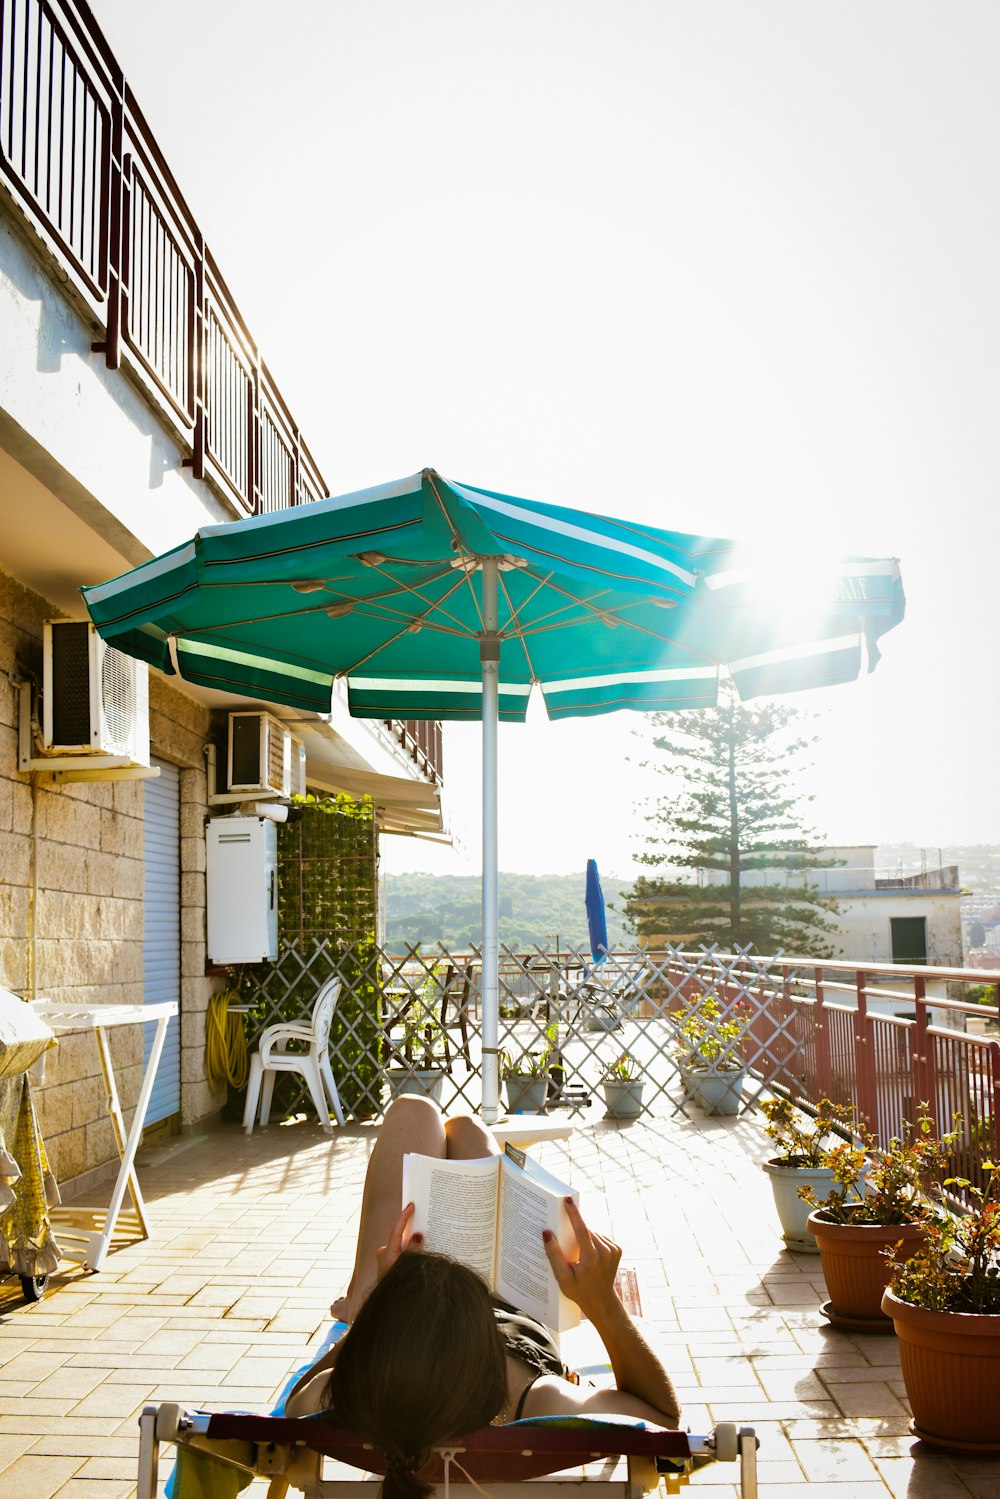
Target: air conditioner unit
{"x":95,"y":700}
{"x":264,"y":756}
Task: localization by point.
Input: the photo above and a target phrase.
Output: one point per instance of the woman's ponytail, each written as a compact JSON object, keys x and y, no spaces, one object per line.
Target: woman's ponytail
{"x":401,"y":1481}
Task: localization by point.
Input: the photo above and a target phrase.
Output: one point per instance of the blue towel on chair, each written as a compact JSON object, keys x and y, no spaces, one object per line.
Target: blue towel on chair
{"x":198,"y":1475}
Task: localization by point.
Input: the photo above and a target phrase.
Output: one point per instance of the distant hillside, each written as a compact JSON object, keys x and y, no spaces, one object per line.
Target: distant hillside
{"x":533,"y":909}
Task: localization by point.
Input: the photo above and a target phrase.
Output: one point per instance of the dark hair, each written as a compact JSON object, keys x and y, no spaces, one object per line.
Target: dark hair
{"x":423,"y":1362}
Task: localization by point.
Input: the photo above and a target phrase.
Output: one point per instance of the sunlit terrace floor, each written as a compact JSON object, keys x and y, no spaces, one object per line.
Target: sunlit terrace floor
{"x":253,"y":1237}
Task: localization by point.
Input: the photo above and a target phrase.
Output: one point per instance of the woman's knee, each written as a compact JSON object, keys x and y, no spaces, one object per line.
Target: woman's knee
{"x":410,"y":1111}
{"x":468,"y":1138}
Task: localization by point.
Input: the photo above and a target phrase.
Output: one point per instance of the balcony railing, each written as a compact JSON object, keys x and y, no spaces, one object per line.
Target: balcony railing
{"x":422,"y":741}
{"x":876,"y":1037}
{"x":79,"y":159}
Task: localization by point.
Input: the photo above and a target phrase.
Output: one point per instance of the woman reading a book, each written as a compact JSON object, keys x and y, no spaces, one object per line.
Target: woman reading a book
{"x":429,"y":1354}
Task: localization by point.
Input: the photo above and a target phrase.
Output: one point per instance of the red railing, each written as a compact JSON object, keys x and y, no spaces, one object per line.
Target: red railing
{"x":78,"y":158}
{"x":872,"y":1036}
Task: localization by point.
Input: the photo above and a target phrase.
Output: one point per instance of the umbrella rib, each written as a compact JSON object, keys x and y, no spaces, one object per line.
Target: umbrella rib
{"x":457,"y":543}
{"x":585,"y":606}
{"x":459,"y":628}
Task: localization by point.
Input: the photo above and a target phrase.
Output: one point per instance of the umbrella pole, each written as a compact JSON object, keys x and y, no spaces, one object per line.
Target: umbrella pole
{"x":489,"y":655}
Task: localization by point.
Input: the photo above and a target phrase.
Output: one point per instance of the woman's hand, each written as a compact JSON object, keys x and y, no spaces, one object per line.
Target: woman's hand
{"x":590,"y":1280}
{"x":387,"y":1256}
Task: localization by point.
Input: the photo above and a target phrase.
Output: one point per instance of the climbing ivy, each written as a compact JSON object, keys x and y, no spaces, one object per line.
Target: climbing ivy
{"x":327,"y":923}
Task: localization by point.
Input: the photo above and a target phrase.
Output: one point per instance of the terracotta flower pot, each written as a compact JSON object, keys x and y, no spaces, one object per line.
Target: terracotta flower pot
{"x":951,"y":1369}
{"x":856,"y":1270}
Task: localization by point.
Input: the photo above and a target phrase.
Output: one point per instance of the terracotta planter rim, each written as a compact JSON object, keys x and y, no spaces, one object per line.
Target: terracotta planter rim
{"x":971,"y":1324}
{"x":816,"y":1223}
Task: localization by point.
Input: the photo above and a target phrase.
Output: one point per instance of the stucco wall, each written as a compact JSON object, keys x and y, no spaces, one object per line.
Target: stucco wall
{"x":864,"y":932}
{"x":71,"y":903}
{"x":83,"y":429}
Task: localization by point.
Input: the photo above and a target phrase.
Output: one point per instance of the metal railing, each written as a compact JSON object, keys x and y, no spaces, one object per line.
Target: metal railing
{"x":806,"y":1029}
{"x":423,"y":742}
{"x":80,"y":161}
{"x":889,"y":1038}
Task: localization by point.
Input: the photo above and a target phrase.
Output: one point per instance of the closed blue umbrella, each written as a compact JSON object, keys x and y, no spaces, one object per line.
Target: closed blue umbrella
{"x":597,"y":917}
{"x":442,"y":600}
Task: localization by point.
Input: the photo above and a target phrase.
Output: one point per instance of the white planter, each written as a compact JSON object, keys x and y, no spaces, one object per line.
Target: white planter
{"x":792,"y":1211}
{"x":716,"y":1091}
{"x":426,"y":1082}
{"x":622,"y":1098}
{"x":526,"y":1095}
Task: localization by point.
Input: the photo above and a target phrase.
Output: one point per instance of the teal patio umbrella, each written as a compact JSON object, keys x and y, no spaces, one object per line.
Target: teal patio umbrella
{"x":446,"y":601}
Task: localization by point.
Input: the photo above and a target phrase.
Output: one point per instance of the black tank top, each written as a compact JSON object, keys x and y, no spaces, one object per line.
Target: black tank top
{"x":531,"y":1343}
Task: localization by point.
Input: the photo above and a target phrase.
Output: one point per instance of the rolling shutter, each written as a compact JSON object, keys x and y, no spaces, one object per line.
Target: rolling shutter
{"x":161,"y":947}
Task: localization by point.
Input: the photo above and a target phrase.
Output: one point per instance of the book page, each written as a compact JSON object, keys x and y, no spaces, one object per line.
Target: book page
{"x":531,"y":1200}
{"x":455,"y":1208}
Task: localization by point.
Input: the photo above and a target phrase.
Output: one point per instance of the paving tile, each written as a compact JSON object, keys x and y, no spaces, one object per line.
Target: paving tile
{"x":13,"y":1447}
{"x":58,"y":1445}
{"x":834,"y":1461}
{"x":38,"y":1477}
{"x":924,"y":1478}
{"x":90,"y":1488}
{"x":865,"y":1398}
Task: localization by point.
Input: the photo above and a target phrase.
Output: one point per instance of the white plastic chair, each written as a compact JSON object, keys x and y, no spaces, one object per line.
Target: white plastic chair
{"x":313,"y":1064}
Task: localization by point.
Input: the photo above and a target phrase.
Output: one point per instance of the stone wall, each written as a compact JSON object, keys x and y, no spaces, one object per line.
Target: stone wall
{"x":71,"y":904}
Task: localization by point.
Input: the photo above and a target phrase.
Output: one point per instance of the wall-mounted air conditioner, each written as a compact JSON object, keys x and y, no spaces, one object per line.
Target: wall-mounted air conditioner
{"x":264,"y":756}
{"x":95,"y":700}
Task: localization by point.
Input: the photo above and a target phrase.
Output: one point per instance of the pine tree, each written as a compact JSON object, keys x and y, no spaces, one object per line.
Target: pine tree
{"x":738,"y":811}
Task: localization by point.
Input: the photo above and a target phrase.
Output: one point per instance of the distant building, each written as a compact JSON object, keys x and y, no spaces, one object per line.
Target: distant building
{"x":883,"y":914}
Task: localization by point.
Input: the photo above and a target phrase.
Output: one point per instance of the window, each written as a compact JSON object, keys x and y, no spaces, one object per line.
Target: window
{"x":909,"y":939}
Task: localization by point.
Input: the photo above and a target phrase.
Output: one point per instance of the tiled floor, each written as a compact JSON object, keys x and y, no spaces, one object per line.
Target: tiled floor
{"x":252,"y":1238}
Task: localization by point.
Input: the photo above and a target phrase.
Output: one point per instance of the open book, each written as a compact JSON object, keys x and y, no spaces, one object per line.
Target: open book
{"x":490,"y":1214}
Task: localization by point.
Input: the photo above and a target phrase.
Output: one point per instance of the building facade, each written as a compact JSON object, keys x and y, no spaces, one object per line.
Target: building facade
{"x":134,"y":408}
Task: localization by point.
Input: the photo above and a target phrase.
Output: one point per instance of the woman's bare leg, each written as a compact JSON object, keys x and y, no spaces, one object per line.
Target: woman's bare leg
{"x":410,"y":1124}
{"x":468,"y":1139}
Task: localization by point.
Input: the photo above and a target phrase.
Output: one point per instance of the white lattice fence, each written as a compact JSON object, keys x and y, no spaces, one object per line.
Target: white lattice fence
{"x":422,"y":1004}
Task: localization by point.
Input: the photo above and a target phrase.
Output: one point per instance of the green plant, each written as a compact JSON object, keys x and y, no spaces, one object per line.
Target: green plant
{"x":532,"y":1063}
{"x":328,"y":884}
{"x":623,"y":1069}
{"x":526,"y":1064}
{"x":708,"y":1035}
{"x":423,"y":1036}
{"x":894,"y":1184}
{"x":957,"y":1269}
{"x":798,"y":1139}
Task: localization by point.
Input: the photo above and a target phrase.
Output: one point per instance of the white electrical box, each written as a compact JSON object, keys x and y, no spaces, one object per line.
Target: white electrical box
{"x":242,"y":889}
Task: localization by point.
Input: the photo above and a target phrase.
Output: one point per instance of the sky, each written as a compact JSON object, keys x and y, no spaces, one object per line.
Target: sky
{"x":722,"y":265}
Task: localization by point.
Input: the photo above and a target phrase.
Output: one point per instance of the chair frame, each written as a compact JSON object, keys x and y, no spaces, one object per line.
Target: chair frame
{"x":272,"y":1056}
{"x":291,"y":1453}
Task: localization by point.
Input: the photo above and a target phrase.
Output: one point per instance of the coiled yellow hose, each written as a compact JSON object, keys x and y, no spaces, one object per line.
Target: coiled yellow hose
{"x":225,"y":1044}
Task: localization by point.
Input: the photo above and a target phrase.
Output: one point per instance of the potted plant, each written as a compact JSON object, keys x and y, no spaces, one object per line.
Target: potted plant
{"x":880,"y":1200}
{"x":526,"y":1079}
{"x":944,"y":1302}
{"x":622,"y":1083}
{"x":800,"y":1160}
{"x":419,"y":1062}
{"x":706,"y":1047}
